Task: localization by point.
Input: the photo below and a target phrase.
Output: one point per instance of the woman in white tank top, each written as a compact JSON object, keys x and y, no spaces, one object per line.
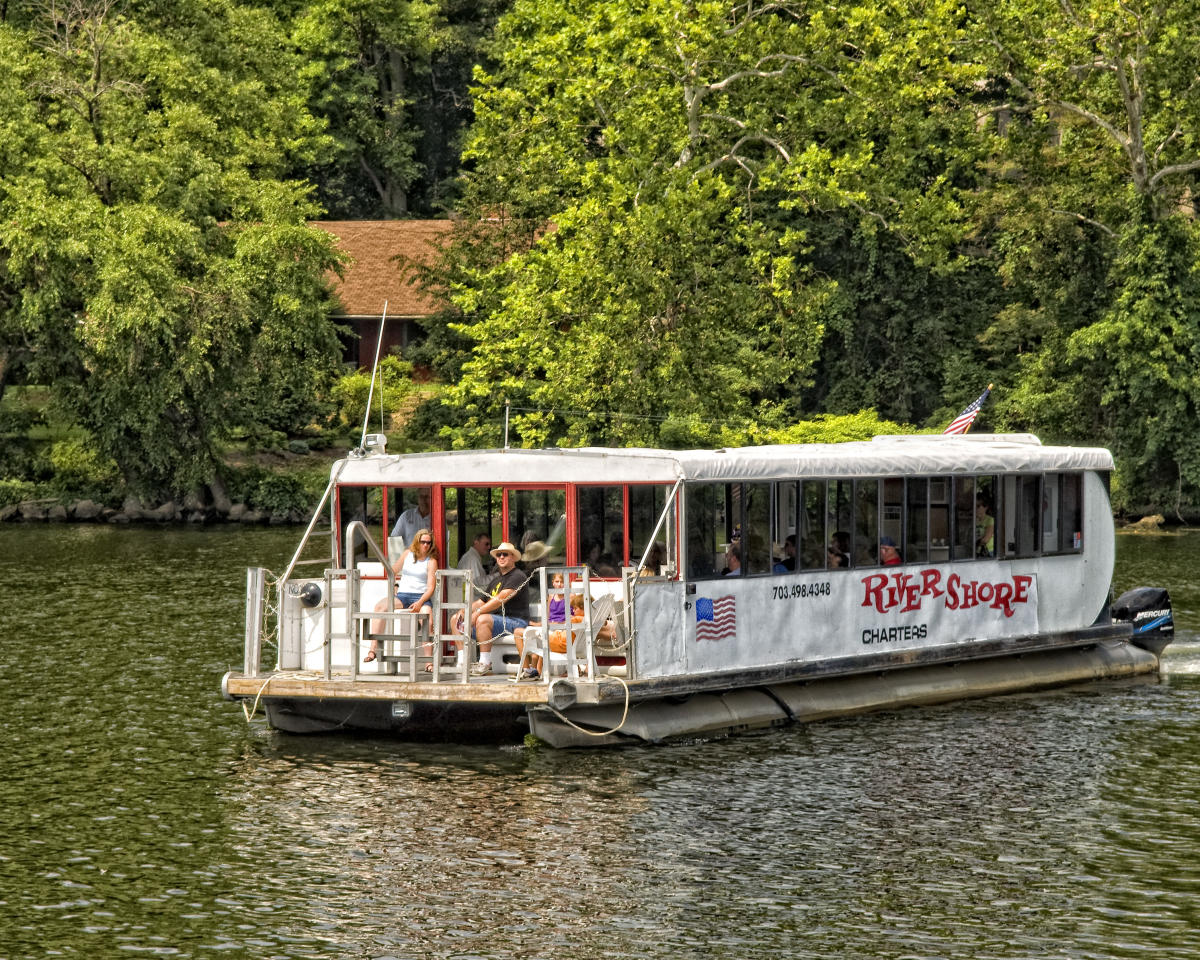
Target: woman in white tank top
{"x":416,"y":571}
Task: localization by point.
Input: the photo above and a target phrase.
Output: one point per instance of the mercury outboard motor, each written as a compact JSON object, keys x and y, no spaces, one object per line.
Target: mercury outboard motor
{"x":1149,"y":610}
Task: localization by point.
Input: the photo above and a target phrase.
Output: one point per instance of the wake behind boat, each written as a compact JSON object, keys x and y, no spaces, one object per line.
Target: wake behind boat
{"x":721,"y":590}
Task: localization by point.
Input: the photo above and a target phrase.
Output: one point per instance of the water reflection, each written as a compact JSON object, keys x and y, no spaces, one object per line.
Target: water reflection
{"x":142,"y":814}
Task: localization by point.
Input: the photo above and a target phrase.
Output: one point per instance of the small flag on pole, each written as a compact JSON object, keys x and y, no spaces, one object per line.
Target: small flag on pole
{"x":962,"y":423}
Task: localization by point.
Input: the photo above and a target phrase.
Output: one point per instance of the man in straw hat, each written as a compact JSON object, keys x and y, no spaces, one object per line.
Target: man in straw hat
{"x":505,"y":609}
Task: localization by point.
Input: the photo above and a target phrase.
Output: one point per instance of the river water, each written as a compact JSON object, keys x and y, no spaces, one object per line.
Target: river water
{"x":141,"y":814}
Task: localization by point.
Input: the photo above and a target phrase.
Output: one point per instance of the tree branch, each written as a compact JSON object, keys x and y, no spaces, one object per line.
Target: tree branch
{"x":1080,"y":217}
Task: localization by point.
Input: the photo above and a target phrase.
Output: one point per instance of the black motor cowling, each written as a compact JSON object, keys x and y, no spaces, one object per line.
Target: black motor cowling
{"x":1149,"y":610}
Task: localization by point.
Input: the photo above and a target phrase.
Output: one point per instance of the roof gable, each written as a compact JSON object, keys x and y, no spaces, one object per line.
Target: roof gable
{"x":375,"y":275}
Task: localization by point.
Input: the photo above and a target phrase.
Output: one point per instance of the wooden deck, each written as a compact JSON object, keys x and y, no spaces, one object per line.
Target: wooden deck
{"x":309,"y":684}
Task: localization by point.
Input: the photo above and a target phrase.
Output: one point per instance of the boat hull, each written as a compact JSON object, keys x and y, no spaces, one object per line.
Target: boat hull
{"x":714,"y":712}
{"x":722,"y":713}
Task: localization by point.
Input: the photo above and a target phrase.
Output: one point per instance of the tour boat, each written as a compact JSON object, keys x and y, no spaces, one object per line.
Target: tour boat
{"x":724,"y":590}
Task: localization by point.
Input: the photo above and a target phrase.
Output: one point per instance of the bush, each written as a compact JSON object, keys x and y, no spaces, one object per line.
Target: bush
{"x":351,"y":391}
{"x":81,"y":471}
{"x":14,"y":491}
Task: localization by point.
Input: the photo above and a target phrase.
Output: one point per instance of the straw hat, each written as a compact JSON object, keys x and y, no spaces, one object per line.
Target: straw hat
{"x":534,"y":551}
{"x":507,"y":547}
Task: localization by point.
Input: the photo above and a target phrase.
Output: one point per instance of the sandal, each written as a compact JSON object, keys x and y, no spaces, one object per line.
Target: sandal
{"x":369,"y":657}
{"x":429,"y":668}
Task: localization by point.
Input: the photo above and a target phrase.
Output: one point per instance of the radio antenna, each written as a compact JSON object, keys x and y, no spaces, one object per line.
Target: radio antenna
{"x":374,"y":371}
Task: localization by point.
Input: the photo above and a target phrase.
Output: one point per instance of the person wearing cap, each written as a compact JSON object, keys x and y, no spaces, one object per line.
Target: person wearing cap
{"x":505,"y":609}
{"x":889,"y":556}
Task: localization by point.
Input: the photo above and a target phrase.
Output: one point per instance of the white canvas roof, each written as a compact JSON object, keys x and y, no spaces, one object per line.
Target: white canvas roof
{"x":923,"y":454}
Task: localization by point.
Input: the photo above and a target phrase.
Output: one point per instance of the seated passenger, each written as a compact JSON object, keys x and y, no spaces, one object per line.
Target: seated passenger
{"x":557,"y":639}
{"x":836,"y":557}
{"x":889,"y":555}
{"x":985,"y":530}
{"x":733,"y":560}
{"x":788,"y":563}
{"x":416,"y":576}
{"x":505,"y":610}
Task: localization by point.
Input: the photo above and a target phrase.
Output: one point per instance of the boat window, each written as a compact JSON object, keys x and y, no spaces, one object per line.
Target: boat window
{"x":1028,"y":527}
{"x":891,"y":523}
{"x":601,"y":527}
{"x":365,"y":504}
{"x":1006,"y":519}
{"x":537,"y":524}
{"x":987,"y":517}
{"x":1072,"y":512}
{"x":468,"y":512}
{"x":1051,"y":513}
{"x":866,"y":523}
{"x":755,"y":527}
{"x":964,"y":519}
{"x":916,"y":540}
{"x":707,"y":531}
{"x":786,"y":524}
{"x":813,"y":544}
{"x":939,"y":519}
{"x":839,"y":515}
{"x":646,"y":503}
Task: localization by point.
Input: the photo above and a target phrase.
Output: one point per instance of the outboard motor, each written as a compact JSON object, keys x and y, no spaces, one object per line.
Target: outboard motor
{"x":1149,"y":610}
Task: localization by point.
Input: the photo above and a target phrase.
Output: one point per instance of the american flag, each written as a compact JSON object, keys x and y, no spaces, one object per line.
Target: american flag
{"x":962,"y":423}
{"x":716,"y":619}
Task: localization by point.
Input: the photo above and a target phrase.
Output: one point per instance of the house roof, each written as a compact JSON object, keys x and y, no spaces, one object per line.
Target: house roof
{"x":375,"y":275}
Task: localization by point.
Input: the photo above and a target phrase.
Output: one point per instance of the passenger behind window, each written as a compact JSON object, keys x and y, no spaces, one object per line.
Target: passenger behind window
{"x":788,"y":562}
{"x":733,"y":560}
{"x":837,"y":558}
{"x":889,"y":554}
{"x":985,"y":529}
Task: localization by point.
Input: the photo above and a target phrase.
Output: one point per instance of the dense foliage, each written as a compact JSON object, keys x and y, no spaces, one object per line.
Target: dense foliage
{"x":679,"y":221}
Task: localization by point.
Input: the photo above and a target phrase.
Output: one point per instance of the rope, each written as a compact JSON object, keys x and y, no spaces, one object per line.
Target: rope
{"x":258,"y":697}
{"x":593,"y":733}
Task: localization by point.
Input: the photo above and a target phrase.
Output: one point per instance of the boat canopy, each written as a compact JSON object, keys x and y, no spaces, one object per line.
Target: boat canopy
{"x":885,"y":456}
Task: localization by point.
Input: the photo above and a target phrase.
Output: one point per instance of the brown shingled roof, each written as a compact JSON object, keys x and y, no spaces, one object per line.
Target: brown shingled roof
{"x":374,"y":275}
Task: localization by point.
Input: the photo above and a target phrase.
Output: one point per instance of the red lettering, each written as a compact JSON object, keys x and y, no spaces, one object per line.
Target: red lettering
{"x":929,"y":583}
{"x":1021,"y":582}
{"x":968,"y":598}
{"x":952,"y":583}
{"x":1003,"y":598}
{"x":873,"y":596}
{"x":984,"y":591}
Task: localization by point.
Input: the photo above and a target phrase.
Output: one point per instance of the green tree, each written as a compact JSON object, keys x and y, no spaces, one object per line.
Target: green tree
{"x":169,"y":288}
{"x":390,"y":78}
{"x":1099,"y":119}
{"x":689,"y":156}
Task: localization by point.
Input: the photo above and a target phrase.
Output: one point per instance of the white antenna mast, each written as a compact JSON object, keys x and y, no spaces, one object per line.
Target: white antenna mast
{"x":374,"y":371}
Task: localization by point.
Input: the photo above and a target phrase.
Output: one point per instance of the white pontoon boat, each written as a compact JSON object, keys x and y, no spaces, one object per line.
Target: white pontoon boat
{"x":727,"y":589}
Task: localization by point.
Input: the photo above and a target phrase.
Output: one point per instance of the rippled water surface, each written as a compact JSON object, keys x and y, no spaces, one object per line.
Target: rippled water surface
{"x":142,"y":814}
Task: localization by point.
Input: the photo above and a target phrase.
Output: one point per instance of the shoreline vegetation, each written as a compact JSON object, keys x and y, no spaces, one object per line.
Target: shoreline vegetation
{"x":670,"y":225}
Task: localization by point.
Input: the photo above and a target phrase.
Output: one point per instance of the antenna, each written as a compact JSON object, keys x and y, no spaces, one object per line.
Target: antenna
{"x":374,"y":371}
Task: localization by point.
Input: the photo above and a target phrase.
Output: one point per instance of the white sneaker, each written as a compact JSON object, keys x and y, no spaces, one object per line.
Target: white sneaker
{"x":481,"y":669}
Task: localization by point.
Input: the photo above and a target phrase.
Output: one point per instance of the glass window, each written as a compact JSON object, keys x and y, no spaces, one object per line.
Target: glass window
{"x":601,"y":526}
{"x":756,"y":527}
{"x":987,"y":526}
{"x":813,"y":542}
{"x":646,"y":502}
{"x":468,"y":512}
{"x":1051,"y":513}
{"x":838,"y":504}
{"x":964,"y":518}
{"x":537,"y":525}
{"x":866,"y":523}
{"x":939,"y":519}
{"x":916,"y":545}
{"x":787,"y":519}
{"x":1028,"y":519}
{"x":1007,"y":518}
{"x":1072,"y":512}
{"x":891,"y":523}
{"x":364,"y":504}
{"x":707,"y":535}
